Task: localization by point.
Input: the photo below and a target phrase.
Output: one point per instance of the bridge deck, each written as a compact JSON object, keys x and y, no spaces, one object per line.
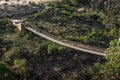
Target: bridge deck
{"x":73,"y":45}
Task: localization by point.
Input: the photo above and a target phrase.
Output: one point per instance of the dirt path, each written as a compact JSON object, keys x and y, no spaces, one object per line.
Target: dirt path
{"x":23,"y":2}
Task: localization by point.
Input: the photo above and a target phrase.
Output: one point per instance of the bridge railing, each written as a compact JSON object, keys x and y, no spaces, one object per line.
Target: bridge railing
{"x":70,"y":44}
{"x":79,"y":45}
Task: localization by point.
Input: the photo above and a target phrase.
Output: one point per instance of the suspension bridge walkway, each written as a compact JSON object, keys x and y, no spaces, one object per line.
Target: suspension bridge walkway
{"x":73,"y":45}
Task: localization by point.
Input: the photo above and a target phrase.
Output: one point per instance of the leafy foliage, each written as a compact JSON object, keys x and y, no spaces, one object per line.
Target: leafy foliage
{"x":89,"y":27}
{"x":80,"y":2}
{"x":20,"y":66}
{"x":111,"y":68}
{"x":5,"y":72}
{"x":31,"y":57}
{"x":6,"y":25}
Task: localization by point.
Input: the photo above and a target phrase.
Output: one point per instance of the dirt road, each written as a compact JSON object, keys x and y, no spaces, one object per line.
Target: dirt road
{"x":23,"y":2}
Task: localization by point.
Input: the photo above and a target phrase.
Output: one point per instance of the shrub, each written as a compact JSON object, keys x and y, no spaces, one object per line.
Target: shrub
{"x":20,"y":67}
{"x":12,"y":53}
{"x":5,"y":72}
{"x":110,"y":70}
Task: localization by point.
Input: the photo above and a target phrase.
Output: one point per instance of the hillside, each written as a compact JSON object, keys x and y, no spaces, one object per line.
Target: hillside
{"x":27,"y":56}
{"x":31,"y":56}
{"x":88,"y":26}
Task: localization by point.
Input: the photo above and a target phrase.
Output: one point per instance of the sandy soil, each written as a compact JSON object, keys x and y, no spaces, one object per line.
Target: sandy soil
{"x":22,"y":2}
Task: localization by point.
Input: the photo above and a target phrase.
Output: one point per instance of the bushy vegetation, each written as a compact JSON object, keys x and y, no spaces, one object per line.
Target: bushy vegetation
{"x":110,"y":70}
{"x":6,"y":73}
{"x":26,"y":56}
{"x":6,"y":26}
{"x":88,"y":26}
{"x":80,"y":2}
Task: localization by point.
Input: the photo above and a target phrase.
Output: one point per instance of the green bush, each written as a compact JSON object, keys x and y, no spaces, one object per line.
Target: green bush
{"x":20,"y":67}
{"x":6,"y":26}
{"x":110,"y":70}
{"x":37,"y":15}
{"x":13,"y":53}
{"x":52,"y":49}
{"x":5,"y":72}
{"x":80,"y":2}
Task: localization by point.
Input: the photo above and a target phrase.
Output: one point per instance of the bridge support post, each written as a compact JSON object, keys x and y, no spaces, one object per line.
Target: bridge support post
{"x":18,"y":24}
